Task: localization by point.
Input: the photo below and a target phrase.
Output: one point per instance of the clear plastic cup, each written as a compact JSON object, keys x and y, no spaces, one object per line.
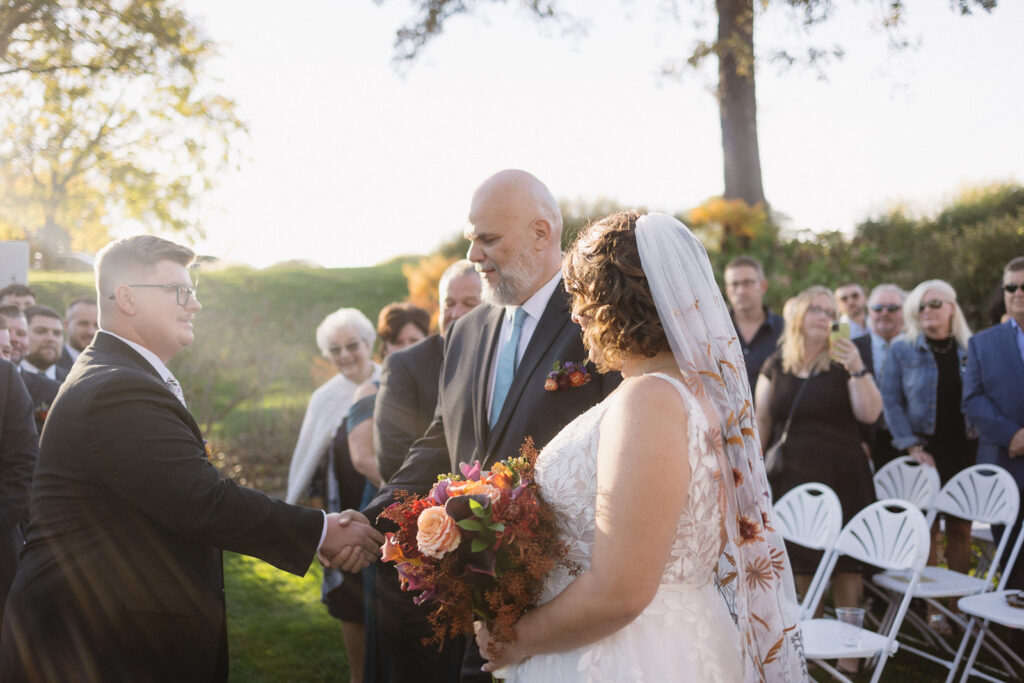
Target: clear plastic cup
{"x":851,"y":620}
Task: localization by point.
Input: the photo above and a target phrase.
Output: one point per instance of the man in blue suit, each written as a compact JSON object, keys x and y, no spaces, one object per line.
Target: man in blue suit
{"x":994,"y":392}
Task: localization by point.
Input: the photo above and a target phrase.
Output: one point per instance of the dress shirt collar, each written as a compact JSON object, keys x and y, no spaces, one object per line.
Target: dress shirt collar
{"x":72,"y":353}
{"x":535,"y":305}
{"x":151,"y":357}
{"x":50,"y":372}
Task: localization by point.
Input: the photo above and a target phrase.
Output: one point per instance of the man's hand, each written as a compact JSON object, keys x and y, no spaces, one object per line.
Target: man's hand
{"x":351,"y":543}
{"x":1016,"y":447}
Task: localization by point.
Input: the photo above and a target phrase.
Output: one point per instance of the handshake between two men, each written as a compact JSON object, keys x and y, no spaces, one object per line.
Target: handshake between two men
{"x":350,"y":543}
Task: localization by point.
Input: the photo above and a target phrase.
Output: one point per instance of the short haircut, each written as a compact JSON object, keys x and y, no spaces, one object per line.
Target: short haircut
{"x":17,"y":289}
{"x":745,"y":261}
{"x":886,"y":287}
{"x":1014,"y":265}
{"x":394,"y":317}
{"x":344,"y":318}
{"x":80,"y":301}
{"x":40,"y":310}
{"x":851,"y":284}
{"x":132,"y":256}
{"x":11,"y":311}
{"x":455,"y":270}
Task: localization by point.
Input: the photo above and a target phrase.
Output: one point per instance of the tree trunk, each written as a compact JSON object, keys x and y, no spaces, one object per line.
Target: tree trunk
{"x":737,"y":104}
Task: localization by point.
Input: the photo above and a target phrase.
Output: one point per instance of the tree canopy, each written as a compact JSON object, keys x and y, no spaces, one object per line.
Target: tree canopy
{"x":106,"y":119}
{"x":732,"y":46}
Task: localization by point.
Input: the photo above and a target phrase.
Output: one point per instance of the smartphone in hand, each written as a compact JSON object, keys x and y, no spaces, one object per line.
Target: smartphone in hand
{"x":839,"y":330}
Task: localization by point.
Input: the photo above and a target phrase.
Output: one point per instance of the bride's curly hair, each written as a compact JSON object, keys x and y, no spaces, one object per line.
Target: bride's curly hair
{"x":602,"y":272}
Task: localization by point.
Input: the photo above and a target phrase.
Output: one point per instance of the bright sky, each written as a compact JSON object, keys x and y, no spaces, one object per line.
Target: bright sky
{"x":350,"y":162}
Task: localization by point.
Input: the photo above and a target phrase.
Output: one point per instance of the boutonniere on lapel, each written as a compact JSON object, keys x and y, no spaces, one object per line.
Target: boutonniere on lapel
{"x":42,"y":411}
{"x":209,"y":451}
{"x":565,"y":375}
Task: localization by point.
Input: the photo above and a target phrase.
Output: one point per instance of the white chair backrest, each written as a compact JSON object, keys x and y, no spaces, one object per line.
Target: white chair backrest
{"x":981,"y":493}
{"x":891,"y":534}
{"x":1012,"y":559}
{"x":905,"y":478}
{"x":809,"y":515}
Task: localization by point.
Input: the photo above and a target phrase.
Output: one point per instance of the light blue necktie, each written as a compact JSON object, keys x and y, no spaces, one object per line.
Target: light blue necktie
{"x":506,"y":366}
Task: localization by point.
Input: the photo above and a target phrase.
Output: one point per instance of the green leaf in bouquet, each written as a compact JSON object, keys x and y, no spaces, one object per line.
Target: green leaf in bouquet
{"x":496,"y":526}
{"x":470,"y":524}
{"x":478,"y":545}
{"x":476,"y":508}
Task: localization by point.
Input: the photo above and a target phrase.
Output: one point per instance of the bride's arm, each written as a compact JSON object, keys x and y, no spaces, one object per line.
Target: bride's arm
{"x":643,"y":481}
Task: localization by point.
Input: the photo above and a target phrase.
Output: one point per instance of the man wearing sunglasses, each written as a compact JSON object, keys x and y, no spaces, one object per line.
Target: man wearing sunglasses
{"x":121,"y":576}
{"x":850,"y":300}
{"x":885,"y":325}
{"x":994,"y":395}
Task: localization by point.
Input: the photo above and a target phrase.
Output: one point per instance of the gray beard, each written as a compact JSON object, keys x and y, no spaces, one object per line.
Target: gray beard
{"x":515,"y":281}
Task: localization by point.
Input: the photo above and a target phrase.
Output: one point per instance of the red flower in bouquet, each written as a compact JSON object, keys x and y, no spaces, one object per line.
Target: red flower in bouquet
{"x":477,"y":546}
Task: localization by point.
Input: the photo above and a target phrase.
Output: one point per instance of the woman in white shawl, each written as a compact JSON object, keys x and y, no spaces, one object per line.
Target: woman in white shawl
{"x":345,"y":338}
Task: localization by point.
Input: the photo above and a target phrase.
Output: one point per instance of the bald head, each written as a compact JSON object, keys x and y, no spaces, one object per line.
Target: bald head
{"x":515,"y":236}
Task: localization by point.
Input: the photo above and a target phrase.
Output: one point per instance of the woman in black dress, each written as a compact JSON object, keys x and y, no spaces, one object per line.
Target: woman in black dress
{"x":824,"y":443}
{"x":921,"y":392}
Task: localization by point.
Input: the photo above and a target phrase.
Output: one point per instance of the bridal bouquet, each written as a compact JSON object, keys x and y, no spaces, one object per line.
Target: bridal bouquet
{"x":478,"y":545}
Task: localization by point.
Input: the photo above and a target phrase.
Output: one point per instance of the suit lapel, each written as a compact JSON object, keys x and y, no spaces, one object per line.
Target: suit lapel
{"x":485,"y":353}
{"x":550,"y":325}
{"x":1009,"y":343}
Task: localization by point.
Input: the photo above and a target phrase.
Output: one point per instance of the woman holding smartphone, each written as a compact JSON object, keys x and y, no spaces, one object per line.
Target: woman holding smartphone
{"x":826,"y":387}
{"x":921,"y":391}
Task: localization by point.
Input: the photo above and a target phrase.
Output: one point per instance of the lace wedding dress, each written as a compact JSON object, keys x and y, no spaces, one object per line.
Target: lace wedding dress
{"x":686,"y":632}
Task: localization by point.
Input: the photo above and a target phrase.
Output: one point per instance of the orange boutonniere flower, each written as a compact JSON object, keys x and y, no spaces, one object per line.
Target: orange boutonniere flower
{"x":566,"y":375}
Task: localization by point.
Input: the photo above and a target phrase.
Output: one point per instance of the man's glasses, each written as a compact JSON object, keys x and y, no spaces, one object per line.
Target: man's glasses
{"x":736,"y":284}
{"x":934,"y":304}
{"x":889,"y":308}
{"x":1012,"y":287}
{"x":182,"y":293}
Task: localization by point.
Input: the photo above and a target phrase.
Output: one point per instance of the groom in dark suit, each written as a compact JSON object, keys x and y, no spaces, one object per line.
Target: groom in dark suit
{"x":497,"y":357}
{"x":121,"y":577}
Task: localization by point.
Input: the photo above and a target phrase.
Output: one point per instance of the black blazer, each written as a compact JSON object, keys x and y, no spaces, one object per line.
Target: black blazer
{"x":42,"y":391}
{"x":18,"y":446}
{"x":65,"y":361}
{"x":459,"y":431}
{"x":121,"y":576}
{"x":406,"y":401}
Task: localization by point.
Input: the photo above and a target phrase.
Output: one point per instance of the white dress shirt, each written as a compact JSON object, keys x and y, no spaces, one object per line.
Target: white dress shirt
{"x":534,"y":309}
{"x":50,"y":372}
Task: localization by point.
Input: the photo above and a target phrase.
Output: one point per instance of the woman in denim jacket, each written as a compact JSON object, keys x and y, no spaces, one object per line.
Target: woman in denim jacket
{"x":921,"y":390}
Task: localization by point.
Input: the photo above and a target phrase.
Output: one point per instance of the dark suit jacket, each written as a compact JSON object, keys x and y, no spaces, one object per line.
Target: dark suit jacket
{"x":994,"y":395}
{"x":43,"y":391}
{"x":459,"y":431}
{"x":406,"y":401}
{"x":121,"y":576}
{"x":65,"y":361}
{"x":18,"y":446}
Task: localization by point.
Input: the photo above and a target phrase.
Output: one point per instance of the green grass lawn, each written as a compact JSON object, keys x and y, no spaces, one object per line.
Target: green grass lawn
{"x":278,"y":632}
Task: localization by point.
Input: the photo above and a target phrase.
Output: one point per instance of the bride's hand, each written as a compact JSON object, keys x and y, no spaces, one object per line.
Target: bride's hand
{"x":509,"y":656}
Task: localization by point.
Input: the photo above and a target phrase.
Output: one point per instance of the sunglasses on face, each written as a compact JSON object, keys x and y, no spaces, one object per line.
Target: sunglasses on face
{"x":890,"y":308}
{"x":1012,"y":287}
{"x":934,"y":304}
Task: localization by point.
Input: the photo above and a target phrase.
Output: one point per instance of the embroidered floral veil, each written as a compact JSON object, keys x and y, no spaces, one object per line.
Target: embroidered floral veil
{"x":754,"y":571}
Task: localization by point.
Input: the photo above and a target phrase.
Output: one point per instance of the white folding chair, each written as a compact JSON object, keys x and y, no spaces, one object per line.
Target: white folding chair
{"x":909,"y":480}
{"x":988,"y":608}
{"x":812,"y":516}
{"x":891,"y":534}
{"x":984,"y":493}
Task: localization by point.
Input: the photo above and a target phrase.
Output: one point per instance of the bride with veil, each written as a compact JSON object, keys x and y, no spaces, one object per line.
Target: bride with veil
{"x":659,"y":490}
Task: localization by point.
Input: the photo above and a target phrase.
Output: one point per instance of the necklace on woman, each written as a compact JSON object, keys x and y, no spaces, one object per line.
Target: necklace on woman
{"x":941,"y":345}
